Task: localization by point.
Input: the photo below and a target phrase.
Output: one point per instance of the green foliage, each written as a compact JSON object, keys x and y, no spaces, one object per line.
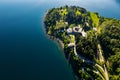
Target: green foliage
{"x":72,"y":25}
{"x":60,"y":25}
{"x":110,"y":38}
{"x":114,"y":77}
{"x":107,"y":35}
{"x":115,"y":62}
{"x":87,"y":47}
{"x":95,"y":19}
{"x":50,"y":20}
{"x":110,"y":41}
{"x":83,"y":74}
{"x":78,"y":12}
{"x":63,"y":12}
{"x":72,"y":37}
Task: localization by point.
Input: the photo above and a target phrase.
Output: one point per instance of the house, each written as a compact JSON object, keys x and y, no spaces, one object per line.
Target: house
{"x":83,"y":33}
{"x":77,"y":29}
{"x":69,"y":30}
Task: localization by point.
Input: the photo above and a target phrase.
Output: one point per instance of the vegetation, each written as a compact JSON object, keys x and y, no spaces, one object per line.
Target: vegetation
{"x":72,"y":37}
{"x":95,"y":19}
{"x":95,"y":55}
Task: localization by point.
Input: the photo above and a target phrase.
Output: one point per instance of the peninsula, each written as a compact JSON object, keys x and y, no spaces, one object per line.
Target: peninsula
{"x":91,"y":43}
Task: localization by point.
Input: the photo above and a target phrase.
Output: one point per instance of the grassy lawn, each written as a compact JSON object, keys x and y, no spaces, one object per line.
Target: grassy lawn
{"x":99,"y":30}
{"x":60,"y":25}
{"x":78,"y":12}
{"x":95,"y":19}
{"x":72,"y":37}
{"x":64,"y":12}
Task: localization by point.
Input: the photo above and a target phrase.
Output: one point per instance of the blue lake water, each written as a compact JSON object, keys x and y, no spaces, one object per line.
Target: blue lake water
{"x":25,"y":52}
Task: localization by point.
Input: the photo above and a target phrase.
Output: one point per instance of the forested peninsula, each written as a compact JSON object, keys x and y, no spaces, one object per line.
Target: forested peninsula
{"x":91,"y":42}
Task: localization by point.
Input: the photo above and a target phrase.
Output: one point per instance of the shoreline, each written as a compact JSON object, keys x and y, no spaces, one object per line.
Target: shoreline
{"x":81,"y":51}
{"x":61,"y":46}
{"x":59,"y":42}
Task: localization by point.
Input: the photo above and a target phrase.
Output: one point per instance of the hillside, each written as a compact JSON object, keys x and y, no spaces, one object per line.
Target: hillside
{"x":91,"y":42}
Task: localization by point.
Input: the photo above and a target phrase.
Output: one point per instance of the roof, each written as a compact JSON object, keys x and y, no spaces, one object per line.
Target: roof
{"x":69,"y":30}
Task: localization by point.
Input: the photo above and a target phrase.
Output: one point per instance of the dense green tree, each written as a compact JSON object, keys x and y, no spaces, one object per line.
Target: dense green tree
{"x":107,"y":34}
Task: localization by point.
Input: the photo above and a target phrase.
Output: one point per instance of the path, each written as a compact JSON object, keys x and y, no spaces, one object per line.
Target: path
{"x":99,"y":68}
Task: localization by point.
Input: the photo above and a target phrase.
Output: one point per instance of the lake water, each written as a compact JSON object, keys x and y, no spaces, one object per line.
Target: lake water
{"x":25,"y":52}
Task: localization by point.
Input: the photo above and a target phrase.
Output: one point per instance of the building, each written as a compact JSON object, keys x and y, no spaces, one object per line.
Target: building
{"x":77,"y":29}
{"x":69,"y":30}
{"x":83,"y":33}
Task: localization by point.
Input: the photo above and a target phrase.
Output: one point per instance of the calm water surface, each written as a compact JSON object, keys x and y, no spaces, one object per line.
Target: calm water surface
{"x":25,"y":52}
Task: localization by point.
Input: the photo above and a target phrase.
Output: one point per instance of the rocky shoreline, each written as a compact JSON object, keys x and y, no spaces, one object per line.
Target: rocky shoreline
{"x":57,"y":40}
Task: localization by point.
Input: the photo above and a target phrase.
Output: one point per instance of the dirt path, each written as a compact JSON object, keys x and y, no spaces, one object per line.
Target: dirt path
{"x":100,"y":55}
{"x":101,"y":58}
{"x":102,"y":71}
